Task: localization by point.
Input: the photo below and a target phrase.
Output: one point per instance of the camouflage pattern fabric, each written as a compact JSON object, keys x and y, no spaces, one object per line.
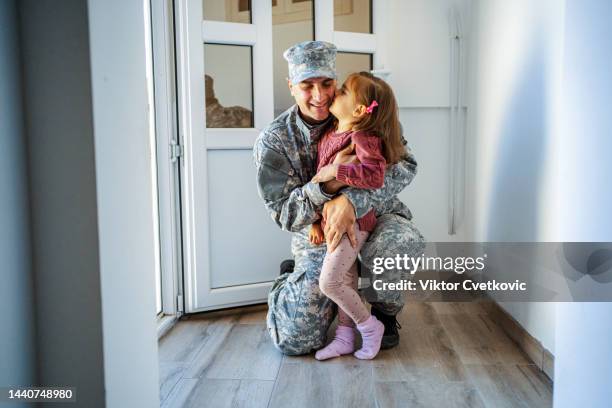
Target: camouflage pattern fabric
{"x":285,"y":155}
{"x":310,"y":59}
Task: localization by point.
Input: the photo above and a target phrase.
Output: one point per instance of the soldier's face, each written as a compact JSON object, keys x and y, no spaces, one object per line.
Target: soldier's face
{"x":314,"y":97}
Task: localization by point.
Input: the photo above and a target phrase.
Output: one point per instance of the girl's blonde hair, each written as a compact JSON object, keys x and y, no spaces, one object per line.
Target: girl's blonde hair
{"x":383,"y":121}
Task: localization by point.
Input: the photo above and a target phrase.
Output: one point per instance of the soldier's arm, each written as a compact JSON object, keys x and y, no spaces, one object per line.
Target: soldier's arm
{"x":291,"y":202}
{"x":397,"y":177}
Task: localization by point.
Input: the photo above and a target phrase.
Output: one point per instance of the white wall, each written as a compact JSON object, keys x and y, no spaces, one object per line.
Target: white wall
{"x":125,"y":209}
{"x":514,"y":67}
{"x":17,"y":343}
{"x":93,"y":257}
{"x":512,"y":143}
{"x":419,"y":50}
{"x":583,"y":372}
{"x":585,"y":124}
{"x":583,"y":358}
{"x":58,"y":123}
{"x":426,"y":130}
{"x":418,"y":43}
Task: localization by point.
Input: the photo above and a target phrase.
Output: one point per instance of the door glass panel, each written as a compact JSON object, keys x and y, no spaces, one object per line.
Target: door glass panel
{"x":234,"y":11}
{"x":229,"y":86}
{"x":293,"y":22}
{"x":353,"y":15}
{"x":349,"y":62}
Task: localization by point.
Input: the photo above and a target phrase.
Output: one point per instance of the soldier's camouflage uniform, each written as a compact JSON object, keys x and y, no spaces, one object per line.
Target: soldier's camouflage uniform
{"x":285,"y":155}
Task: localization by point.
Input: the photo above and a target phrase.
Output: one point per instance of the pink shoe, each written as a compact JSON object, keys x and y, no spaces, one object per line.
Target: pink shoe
{"x":343,"y":343}
{"x":371,"y":335}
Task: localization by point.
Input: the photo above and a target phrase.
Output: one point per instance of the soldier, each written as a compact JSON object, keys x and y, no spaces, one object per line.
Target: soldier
{"x":285,"y":155}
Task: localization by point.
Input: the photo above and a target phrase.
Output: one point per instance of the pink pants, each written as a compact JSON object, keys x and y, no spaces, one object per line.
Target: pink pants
{"x":338,"y":280}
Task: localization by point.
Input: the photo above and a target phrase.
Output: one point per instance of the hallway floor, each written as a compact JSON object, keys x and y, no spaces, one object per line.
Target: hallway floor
{"x":450,"y":355}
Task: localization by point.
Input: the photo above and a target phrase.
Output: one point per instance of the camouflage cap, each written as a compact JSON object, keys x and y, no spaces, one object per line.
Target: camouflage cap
{"x":310,"y":59}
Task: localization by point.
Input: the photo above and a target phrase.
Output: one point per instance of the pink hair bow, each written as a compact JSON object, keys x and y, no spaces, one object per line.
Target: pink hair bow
{"x":370,"y":108}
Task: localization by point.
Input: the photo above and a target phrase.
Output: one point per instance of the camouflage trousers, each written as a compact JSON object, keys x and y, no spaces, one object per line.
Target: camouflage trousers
{"x":299,"y":315}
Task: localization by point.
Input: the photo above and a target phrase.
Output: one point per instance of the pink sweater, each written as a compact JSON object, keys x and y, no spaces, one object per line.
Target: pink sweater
{"x":369,"y":173}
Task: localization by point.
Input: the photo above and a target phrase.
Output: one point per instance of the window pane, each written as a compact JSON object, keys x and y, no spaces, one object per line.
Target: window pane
{"x":235,"y":11}
{"x":229,"y":86}
{"x":348,"y":62}
{"x":353,"y":15}
{"x":293,"y":22}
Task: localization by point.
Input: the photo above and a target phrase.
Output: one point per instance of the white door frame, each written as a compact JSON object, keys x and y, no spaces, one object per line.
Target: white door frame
{"x":167,"y":166}
{"x":192,"y":32}
{"x":355,"y":42}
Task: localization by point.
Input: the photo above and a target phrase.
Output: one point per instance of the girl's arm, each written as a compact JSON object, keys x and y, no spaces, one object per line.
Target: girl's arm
{"x":397,"y":177}
{"x":344,"y":156}
{"x":369,"y":172}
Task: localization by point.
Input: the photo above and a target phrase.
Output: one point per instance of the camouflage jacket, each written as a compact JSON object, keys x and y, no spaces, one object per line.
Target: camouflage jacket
{"x":285,"y":155}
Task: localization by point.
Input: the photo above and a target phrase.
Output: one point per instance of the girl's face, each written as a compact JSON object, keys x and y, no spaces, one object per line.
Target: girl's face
{"x":344,"y":106}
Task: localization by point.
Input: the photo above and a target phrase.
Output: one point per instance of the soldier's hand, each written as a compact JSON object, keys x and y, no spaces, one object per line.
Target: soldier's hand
{"x":333,"y":186}
{"x":339,"y":215}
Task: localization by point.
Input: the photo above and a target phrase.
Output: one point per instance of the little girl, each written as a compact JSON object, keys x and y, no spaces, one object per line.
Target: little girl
{"x":367,"y":120}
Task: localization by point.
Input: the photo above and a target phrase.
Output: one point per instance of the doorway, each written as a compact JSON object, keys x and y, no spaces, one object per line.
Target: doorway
{"x":230,"y":82}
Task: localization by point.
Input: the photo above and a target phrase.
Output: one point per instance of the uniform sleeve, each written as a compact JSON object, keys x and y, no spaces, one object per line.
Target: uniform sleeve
{"x":370,"y":171}
{"x":397,"y":177}
{"x":291,"y":202}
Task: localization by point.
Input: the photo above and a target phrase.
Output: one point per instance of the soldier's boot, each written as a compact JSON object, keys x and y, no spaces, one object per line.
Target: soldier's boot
{"x":287,"y":266}
{"x":391,"y":336}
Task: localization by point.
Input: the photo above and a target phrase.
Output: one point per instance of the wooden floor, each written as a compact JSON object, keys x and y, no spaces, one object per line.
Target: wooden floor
{"x":450,"y":355}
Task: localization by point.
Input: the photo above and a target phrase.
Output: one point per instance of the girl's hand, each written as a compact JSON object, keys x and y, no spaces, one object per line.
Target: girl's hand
{"x":326,"y":173}
{"x":316,"y":235}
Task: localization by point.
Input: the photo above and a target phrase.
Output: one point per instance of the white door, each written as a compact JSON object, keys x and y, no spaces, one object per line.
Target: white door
{"x":231,"y":84}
